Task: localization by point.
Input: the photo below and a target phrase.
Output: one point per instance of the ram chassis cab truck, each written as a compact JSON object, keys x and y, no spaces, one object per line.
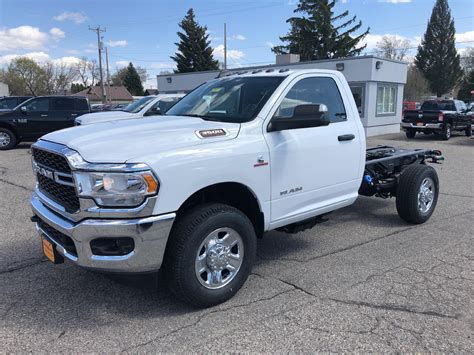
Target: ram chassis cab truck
{"x":146,"y":106}
{"x":440,"y":117}
{"x":191,"y":192}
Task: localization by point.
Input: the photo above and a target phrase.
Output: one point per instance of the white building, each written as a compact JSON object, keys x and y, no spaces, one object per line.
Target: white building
{"x":4,"y":90}
{"x":376,"y":83}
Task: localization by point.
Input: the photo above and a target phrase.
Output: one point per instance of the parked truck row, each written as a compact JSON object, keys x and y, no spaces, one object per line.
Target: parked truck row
{"x":190,"y":193}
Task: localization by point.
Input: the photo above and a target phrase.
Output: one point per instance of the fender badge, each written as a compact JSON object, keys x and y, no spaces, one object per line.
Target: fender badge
{"x":208,"y":133}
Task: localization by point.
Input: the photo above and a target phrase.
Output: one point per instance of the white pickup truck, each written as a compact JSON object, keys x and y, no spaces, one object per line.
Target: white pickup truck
{"x":146,"y":106}
{"x":190,"y":193}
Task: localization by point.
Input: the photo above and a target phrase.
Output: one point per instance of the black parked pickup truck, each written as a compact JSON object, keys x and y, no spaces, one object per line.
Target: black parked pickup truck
{"x":440,"y":117}
{"x":38,"y":116}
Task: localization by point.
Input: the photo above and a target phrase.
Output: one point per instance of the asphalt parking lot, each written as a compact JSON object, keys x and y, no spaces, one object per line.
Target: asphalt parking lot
{"x":363,"y":281}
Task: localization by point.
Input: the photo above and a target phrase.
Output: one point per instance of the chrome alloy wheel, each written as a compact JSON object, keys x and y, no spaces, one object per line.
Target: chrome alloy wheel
{"x":219,"y":258}
{"x":4,"y":139}
{"x":426,"y":195}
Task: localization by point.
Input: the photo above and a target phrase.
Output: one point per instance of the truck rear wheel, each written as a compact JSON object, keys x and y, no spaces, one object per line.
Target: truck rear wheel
{"x":446,"y":134}
{"x":468,"y":131}
{"x":417,"y":193}
{"x":209,"y":254}
{"x":410,"y":133}
{"x":7,"y":139}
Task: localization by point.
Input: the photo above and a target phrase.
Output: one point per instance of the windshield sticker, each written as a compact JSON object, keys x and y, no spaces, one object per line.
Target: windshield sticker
{"x":216,"y":89}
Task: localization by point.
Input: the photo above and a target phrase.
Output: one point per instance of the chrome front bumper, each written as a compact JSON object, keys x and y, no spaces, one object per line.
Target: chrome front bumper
{"x":426,"y":126}
{"x":150,"y":235}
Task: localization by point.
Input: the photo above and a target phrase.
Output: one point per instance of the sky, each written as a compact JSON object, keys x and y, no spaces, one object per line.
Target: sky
{"x":144,"y":31}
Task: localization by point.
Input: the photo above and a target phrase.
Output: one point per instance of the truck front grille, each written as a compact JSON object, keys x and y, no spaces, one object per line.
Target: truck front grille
{"x":63,"y":194}
{"x":60,"y":238}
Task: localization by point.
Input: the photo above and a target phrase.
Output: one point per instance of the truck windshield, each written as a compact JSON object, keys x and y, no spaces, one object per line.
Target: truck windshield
{"x":136,"y":106}
{"x":234,"y":99}
{"x":445,"y":105}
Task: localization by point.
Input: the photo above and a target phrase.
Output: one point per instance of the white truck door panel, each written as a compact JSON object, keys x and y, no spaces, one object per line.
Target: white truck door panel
{"x":311,"y":168}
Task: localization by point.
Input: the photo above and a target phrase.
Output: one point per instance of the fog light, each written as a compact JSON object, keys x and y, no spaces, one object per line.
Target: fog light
{"x":112,"y":246}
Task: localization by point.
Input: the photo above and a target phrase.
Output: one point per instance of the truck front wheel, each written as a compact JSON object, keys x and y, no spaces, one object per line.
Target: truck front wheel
{"x":417,"y":193}
{"x":209,"y":254}
{"x":7,"y":139}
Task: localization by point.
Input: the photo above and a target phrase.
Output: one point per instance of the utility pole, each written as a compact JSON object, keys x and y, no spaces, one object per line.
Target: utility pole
{"x":99,"y":30}
{"x":225,"y":46}
{"x":108,"y":73}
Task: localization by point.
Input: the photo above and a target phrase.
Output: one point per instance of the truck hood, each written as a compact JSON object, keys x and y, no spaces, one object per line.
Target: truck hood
{"x":129,"y":140}
{"x":97,"y":117}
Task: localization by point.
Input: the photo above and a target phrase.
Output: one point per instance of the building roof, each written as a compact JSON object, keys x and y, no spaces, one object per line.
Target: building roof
{"x":151,"y":92}
{"x":114,"y":93}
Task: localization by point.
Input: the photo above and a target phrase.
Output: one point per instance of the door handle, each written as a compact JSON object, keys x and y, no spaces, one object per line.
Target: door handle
{"x":346,"y":137}
{"x":44,"y":115}
{"x":73,"y":114}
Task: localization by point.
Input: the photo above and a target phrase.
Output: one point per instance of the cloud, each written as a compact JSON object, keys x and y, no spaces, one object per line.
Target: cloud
{"x":395,"y":1}
{"x":163,"y":65}
{"x":90,"y":48}
{"x":39,"y":57}
{"x":67,"y":61}
{"x":119,"y":43}
{"x":465,"y":36}
{"x":72,"y":51}
{"x":239,"y":37}
{"x":57,"y":33}
{"x":269,"y":44}
{"x":77,"y":17}
{"x":231,"y":54}
{"x":121,"y":63}
{"x":22,"y":37}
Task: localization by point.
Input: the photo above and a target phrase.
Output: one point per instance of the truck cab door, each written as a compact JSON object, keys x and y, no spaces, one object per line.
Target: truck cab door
{"x":63,"y":113}
{"x":33,"y":117}
{"x":318,"y":169}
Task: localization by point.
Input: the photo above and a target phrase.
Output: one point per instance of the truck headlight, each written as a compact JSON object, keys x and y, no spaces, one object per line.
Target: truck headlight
{"x":116,"y":189}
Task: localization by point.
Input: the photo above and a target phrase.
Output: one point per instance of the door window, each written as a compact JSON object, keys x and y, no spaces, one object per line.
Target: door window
{"x":313,"y":91}
{"x":359,"y":98}
{"x":81,"y":105}
{"x":37,"y":105}
{"x":165,"y":104}
{"x":63,"y":104}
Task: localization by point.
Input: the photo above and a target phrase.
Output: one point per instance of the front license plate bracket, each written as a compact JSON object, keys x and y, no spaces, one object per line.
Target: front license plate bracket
{"x":49,"y":250}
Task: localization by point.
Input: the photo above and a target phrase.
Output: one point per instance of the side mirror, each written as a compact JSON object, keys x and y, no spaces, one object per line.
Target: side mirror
{"x":23,"y":109}
{"x":153,"y":112}
{"x":304,"y":116}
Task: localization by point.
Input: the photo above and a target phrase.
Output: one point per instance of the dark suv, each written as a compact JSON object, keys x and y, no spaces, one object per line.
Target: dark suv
{"x":38,"y":116}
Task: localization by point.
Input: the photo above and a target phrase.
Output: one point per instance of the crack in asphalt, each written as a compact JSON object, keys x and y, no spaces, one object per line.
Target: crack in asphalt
{"x":455,"y":195}
{"x":203,"y":316}
{"x":350,"y":247}
{"x":23,"y":266}
{"x":16,"y":185}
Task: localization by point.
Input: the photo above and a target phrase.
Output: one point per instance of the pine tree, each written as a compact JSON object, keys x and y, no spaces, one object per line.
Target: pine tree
{"x":437,"y":57}
{"x":132,"y":82}
{"x":194,"y":50}
{"x":316,"y":35}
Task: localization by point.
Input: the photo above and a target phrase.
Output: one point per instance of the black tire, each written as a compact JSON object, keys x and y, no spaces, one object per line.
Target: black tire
{"x":186,"y":238}
{"x":410,"y":133}
{"x":468,"y":131}
{"x":8,"y":139}
{"x":446,"y":134}
{"x":409,"y":186}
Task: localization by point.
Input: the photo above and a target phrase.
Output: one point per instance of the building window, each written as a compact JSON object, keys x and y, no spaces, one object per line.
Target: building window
{"x":386,"y":99}
{"x":359,"y":97}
